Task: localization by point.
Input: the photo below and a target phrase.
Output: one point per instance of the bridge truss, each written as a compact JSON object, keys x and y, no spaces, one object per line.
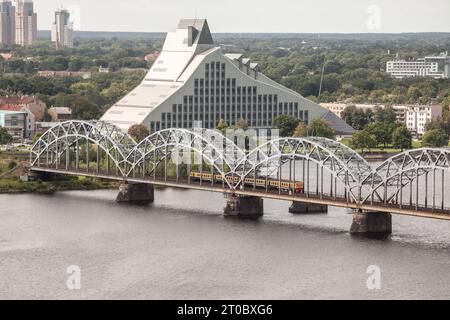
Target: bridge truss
{"x":414,"y":180}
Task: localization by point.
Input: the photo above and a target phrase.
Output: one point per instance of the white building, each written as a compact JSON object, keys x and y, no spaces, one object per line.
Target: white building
{"x":433,"y":67}
{"x":26,"y":23}
{"x":193,"y":80}
{"x":337,"y":108}
{"x":62,"y":30}
{"x":416,"y":117}
{"x":7,"y":23}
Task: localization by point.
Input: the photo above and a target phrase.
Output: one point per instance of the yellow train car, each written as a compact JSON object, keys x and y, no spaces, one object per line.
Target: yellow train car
{"x":284,"y":185}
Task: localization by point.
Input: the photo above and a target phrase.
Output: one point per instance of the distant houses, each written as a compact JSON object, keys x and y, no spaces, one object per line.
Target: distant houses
{"x":414,"y":117}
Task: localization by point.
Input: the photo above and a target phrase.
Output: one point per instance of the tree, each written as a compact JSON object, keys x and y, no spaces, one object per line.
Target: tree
{"x":383,"y":132}
{"x":83,"y":109}
{"x":363,"y":139}
{"x":301,"y":130}
{"x":138,"y":132}
{"x":435,"y":138}
{"x":286,"y":124}
{"x":5,"y":137}
{"x":222,"y":126}
{"x":401,"y":138}
{"x":385,"y":115}
{"x":321,"y":128}
{"x":356,"y":117}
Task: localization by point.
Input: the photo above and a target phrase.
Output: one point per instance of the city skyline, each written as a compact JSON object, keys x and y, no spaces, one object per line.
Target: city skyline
{"x":324,"y":16}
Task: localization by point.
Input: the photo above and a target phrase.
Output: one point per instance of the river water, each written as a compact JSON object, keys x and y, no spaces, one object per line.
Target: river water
{"x":180,"y":247}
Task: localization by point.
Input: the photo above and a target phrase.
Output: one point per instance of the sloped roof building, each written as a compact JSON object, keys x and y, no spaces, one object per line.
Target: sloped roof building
{"x":193,"y":80}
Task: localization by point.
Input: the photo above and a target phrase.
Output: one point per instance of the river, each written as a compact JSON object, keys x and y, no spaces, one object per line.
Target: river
{"x":180,"y":247}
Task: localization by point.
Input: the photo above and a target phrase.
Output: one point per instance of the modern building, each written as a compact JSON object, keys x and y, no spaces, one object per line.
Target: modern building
{"x":7,"y":23}
{"x":433,"y":67}
{"x":59,"y":114}
{"x":30,"y":119}
{"x":416,"y":117}
{"x":193,"y":80}
{"x":26,"y":23}
{"x":15,"y":123}
{"x":62,"y":30}
{"x":32,"y":103}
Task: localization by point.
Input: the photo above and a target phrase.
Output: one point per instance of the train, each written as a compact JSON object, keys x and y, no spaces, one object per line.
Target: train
{"x":284,"y":185}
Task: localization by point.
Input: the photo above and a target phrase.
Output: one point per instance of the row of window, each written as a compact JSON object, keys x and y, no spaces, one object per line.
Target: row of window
{"x":216,"y":97}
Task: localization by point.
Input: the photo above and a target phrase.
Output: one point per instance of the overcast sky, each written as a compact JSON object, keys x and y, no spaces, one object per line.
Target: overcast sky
{"x":293,"y":16}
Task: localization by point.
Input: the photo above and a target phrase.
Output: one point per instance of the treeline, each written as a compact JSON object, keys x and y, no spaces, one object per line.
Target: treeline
{"x":354,"y":70}
{"x":87,"y":98}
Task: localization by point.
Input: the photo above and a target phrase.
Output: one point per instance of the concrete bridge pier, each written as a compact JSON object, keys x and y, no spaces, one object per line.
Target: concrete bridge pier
{"x":244,"y":206}
{"x":136,"y":193}
{"x":371,"y":224}
{"x":298,"y":207}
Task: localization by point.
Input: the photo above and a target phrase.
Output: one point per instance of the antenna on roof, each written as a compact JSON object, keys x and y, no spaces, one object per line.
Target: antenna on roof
{"x":323,"y":70}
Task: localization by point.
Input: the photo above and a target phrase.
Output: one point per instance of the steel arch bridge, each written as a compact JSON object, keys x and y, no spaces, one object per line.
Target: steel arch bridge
{"x":329,"y":172}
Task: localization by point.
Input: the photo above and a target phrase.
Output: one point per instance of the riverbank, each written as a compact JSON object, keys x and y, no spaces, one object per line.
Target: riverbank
{"x":15,"y":185}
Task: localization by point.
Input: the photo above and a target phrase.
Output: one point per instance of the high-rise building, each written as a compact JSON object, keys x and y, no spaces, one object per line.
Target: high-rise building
{"x":193,"y":80}
{"x":7,"y":23}
{"x":62,"y":32}
{"x":26,"y":23}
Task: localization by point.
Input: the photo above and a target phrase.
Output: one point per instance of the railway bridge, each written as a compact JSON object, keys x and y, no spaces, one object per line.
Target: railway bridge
{"x":312,"y":173}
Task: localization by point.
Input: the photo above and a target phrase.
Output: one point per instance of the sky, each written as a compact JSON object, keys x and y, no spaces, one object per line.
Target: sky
{"x":255,"y":16}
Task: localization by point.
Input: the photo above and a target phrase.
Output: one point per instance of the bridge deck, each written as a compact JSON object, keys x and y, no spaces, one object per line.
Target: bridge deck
{"x":324,"y":199}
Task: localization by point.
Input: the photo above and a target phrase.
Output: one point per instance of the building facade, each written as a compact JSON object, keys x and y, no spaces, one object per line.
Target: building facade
{"x":193,"y":80}
{"x":62,"y":30}
{"x":32,"y":103}
{"x":26,"y":23}
{"x":15,"y":123}
{"x":7,"y":23}
{"x":416,"y":118}
{"x":432,"y":67}
{"x":30,"y":120}
{"x":59,"y":114}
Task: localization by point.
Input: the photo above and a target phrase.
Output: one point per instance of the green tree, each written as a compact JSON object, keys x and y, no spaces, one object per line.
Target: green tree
{"x":383,"y":132}
{"x":83,"y":109}
{"x":401,"y":138}
{"x":222,"y":126}
{"x":385,"y":115}
{"x":435,"y":138}
{"x":286,"y":124}
{"x":5,"y":137}
{"x":138,"y":132}
{"x":356,"y":117}
{"x":321,"y":128}
{"x":363,"y":139}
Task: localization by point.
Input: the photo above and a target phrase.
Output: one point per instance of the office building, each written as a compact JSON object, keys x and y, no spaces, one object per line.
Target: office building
{"x":62,"y":31}
{"x":26,"y":23}
{"x":7,"y":23}
{"x":193,"y":80}
{"x":433,"y":67}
